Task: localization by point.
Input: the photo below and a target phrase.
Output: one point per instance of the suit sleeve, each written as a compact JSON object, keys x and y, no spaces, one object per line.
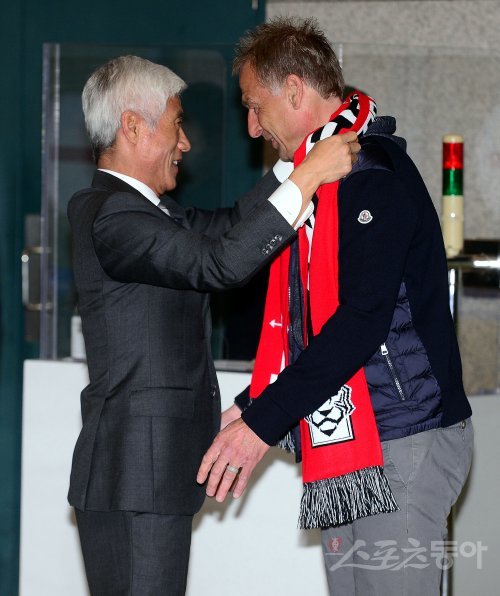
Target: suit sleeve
{"x":138,"y":243}
{"x":214,"y":223}
{"x":371,"y":267}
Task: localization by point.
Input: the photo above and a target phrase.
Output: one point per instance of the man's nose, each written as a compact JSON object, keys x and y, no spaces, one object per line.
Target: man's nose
{"x":254,"y":128}
{"x":184,"y":144}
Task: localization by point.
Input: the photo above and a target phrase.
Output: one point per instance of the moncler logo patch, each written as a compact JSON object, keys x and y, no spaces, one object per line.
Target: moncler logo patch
{"x":365,"y":217}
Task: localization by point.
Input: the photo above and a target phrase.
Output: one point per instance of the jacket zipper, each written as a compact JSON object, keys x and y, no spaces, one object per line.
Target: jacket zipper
{"x":392,"y":370}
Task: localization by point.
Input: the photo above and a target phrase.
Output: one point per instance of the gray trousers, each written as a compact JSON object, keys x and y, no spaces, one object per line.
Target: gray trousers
{"x":401,"y":553}
{"x":135,"y":554}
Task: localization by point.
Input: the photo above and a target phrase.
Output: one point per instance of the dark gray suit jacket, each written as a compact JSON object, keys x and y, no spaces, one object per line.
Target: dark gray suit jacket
{"x":152,"y":406}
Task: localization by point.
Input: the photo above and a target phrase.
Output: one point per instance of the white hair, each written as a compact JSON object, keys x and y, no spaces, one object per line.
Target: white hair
{"x":125,"y":83}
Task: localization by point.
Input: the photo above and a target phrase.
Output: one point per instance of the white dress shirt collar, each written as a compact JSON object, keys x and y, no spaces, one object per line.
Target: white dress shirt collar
{"x":137,"y":184}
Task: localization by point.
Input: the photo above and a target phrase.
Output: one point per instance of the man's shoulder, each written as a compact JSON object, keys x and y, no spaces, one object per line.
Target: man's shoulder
{"x":95,"y":189}
{"x":109,"y":197}
{"x":374,"y":155}
{"x":82,"y":197}
{"x":377,"y":175}
{"x":387,"y":178}
{"x":373,"y":172}
{"x":86,"y":200}
{"x":104,"y":184}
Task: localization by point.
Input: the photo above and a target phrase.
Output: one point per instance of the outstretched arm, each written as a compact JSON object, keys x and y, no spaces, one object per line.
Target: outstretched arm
{"x":328,"y":161}
{"x":371,"y":267}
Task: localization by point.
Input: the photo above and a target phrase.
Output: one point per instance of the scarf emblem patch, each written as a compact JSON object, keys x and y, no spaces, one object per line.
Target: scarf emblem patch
{"x":331,"y":423}
{"x":365,"y":217}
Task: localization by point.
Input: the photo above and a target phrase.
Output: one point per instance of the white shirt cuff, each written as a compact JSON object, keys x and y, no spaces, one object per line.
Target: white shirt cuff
{"x":288,"y":201}
{"x":309,"y":210}
{"x":282,"y":169}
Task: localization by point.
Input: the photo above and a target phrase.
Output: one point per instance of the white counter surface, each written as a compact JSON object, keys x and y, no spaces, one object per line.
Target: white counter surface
{"x":246,"y":547}
{"x":249,"y":546}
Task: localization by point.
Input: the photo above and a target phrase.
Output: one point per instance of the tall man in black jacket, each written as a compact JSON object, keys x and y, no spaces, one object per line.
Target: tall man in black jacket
{"x":143,"y":267}
{"x":392,"y":320}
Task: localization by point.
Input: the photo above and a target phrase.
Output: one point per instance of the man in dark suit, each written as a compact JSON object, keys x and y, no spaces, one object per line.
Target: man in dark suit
{"x":143,"y":267}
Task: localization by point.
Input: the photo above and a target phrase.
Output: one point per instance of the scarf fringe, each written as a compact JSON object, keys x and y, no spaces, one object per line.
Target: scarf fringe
{"x":287,"y":443}
{"x":341,"y":500}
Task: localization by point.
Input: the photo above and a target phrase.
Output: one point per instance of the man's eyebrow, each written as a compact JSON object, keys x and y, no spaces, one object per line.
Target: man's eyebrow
{"x":246,"y":101}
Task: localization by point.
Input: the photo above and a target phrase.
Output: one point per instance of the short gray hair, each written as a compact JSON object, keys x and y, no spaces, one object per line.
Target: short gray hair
{"x":290,"y":45}
{"x":125,"y":83}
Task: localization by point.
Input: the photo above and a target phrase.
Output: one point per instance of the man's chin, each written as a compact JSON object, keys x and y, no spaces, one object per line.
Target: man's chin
{"x":170,"y":185}
{"x":283,"y":152}
{"x":283,"y":155}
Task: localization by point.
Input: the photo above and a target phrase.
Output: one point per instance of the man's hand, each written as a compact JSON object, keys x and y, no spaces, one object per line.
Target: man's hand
{"x":232,"y":413}
{"x":328,"y":161}
{"x":233,"y":455}
{"x":332,"y":158}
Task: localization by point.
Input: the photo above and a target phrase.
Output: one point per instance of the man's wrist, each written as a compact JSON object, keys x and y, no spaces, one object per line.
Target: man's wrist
{"x":243,"y":399}
{"x":287,"y":199}
{"x":267,"y":420}
{"x":304,"y":216}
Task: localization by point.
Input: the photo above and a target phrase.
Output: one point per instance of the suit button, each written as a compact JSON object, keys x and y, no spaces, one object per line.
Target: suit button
{"x":265,"y":251}
{"x":214,"y":390}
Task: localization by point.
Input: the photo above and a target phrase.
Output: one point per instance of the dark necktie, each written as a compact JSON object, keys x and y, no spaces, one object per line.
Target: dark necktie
{"x":166,"y":205}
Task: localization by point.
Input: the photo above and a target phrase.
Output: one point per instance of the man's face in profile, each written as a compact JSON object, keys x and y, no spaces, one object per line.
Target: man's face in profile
{"x":270,"y":115}
{"x":161,"y":149}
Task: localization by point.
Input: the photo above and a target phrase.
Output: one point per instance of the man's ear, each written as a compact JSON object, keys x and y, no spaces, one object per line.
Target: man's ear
{"x":130,"y":125}
{"x":294,"y":88}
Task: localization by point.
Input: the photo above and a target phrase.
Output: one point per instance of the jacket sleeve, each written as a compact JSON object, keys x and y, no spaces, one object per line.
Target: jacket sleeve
{"x":138,"y":243}
{"x":214,"y":223}
{"x":371,"y":268}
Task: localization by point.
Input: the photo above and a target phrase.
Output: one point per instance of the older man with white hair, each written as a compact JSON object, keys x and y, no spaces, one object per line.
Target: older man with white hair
{"x":143,"y":268}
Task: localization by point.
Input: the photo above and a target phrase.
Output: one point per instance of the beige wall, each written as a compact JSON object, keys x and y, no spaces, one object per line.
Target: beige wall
{"x":435,"y":65}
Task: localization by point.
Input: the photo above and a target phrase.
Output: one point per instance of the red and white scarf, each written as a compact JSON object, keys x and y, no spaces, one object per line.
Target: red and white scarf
{"x":341,"y":453}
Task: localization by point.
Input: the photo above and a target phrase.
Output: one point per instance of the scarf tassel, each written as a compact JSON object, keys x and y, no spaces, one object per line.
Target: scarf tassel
{"x":287,"y":443}
{"x":342,"y":499}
